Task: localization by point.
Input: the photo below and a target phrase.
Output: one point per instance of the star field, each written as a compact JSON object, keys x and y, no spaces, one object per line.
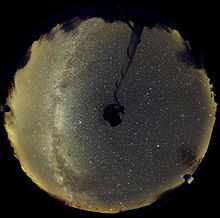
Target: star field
{"x":70,"y":151}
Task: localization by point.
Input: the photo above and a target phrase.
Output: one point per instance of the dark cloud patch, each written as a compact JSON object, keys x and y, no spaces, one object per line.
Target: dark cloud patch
{"x":192,"y":55}
{"x":25,"y":57}
{"x":188,"y":158}
{"x":71,"y":25}
{"x":164,"y":27}
{"x":50,"y":35}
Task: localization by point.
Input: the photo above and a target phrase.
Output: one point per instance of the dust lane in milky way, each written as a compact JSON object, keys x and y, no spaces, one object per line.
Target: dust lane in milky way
{"x":66,"y":147}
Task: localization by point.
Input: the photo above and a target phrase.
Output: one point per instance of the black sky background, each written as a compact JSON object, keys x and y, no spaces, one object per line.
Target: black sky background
{"x":20,"y":196}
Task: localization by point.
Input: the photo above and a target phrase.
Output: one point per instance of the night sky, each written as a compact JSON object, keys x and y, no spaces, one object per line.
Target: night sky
{"x":67,"y":148}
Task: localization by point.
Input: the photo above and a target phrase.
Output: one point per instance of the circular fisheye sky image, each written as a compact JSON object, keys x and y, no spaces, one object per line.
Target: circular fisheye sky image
{"x":110,"y":109}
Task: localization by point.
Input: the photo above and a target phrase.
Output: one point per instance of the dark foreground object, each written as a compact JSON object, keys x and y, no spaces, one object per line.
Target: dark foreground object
{"x":111,"y":114}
